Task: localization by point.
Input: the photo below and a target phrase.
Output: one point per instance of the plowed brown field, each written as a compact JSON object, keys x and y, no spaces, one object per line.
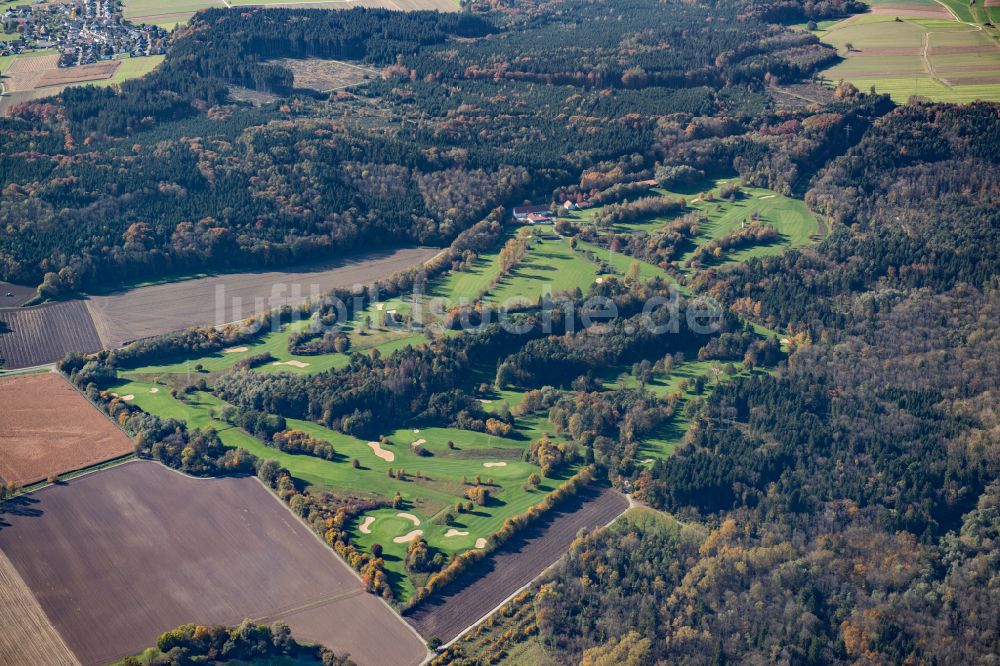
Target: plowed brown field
{"x":48,"y":428}
{"x":119,"y":556}
{"x":43,"y":334}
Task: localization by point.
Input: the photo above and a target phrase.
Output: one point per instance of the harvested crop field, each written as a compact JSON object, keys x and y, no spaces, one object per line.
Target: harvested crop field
{"x":173,"y":549}
{"x":209,"y":301}
{"x":43,"y":334}
{"x":49,"y":428}
{"x":24,"y":72}
{"x":66,"y":75}
{"x":486,"y":585}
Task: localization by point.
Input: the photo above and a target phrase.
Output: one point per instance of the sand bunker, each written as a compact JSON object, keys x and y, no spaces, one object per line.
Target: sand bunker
{"x":453,"y":533}
{"x":416,"y":431}
{"x":485,"y":401}
{"x":154,"y":390}
{"x":495,"y":464}
{"x":410,"y":517}
{"x":235,"y":350}
{"x":768,"y":196}
{"x":294,"y":364}
{"x":480,"y":542}
{"x":387,"y":456}
{"x":366,"y":526}
{"x":646,"y":461}
{"x":408,"y":537}
{"x":130,"y":396}
{"x":419,"y":442}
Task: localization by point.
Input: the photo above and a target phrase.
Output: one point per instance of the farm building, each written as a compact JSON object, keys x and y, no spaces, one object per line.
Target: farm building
{"x":524,"y":212}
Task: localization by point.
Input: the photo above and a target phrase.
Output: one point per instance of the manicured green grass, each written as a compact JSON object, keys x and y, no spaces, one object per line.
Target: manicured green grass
{"x":622,"y":262}
{"x":442,"y":475}
{"x":551,"y":265}
{"x":790,"y":217}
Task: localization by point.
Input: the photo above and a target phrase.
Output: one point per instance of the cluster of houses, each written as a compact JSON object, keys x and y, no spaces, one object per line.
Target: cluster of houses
{"x":542,"y":214}
{"x":83,"y":31}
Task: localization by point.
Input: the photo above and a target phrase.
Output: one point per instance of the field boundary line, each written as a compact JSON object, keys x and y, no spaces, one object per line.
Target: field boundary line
{"x":310,"y":604}
{"x":430,"y":655}
{"x":529,"y":583}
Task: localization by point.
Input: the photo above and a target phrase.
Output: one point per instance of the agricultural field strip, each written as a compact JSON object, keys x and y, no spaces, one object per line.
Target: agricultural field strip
{"x":101,"y":554}
{"x":51,"y":429}
{"x":872,"y":35}
{"x":514,"y":565}
{"x":162,"y":308}
{"x":27,"y":637}
{"x":44,"y":334}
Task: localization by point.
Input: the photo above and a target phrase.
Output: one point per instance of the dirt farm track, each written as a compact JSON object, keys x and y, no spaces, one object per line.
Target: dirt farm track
{"x":44,"y":334}
{"x":92,"y":555}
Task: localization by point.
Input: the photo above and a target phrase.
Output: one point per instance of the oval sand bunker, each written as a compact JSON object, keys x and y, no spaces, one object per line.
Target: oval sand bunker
{"x":410,"y":536}
{"x":387,"y":456}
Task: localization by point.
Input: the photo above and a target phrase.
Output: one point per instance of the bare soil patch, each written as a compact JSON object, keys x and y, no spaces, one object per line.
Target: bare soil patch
{"x":974,"y":81}
{"x":49,"y":428}
{"x":43,"y":334}
{"x":62,"y":76}
{"x":210,"y":301}
{"x":483,"y":587}
{"x":960,"y":50}
{"x":325,"y":75}
{"x":921,"y":11}
{"x":886,"y":51}
{"x":171,"y":549}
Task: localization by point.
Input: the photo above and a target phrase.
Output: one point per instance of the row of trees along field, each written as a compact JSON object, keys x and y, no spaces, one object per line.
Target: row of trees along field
{"x":169,"y":175}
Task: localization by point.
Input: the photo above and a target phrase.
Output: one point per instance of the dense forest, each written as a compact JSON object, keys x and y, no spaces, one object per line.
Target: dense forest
{"x":844,"y":508}
{"x":170,"y":174}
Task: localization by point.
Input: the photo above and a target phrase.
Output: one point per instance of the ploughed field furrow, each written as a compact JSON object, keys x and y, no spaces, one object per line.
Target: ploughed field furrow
{"x":44,"y":334}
